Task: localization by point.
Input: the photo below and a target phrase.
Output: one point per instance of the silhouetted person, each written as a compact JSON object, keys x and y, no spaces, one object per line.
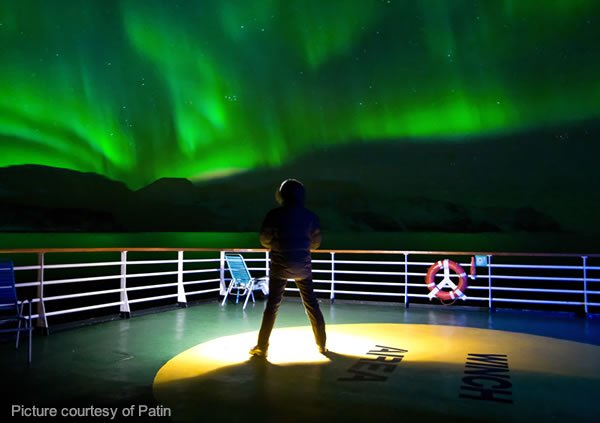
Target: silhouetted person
{"x":290,"y":232}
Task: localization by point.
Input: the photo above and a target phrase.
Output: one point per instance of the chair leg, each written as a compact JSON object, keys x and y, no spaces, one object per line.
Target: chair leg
{"x":228,"y":292}
{"x":30,"y":331}
{"x":248,"y":294}
{"x":18,"y":333}
{"x":20,"y":317}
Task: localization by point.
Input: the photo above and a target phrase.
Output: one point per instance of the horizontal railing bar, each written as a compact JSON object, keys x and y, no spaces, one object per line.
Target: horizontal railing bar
{"x":368,"y":283}
{"x":82,"y":294}
{"x":139,"y":288}
{"x":36,"y":267}
{"x":399,"y":263}
{"x":400,"y":284}
{"x":391,"y":294}
{"x":516,"y":300}
{"x":419,"y":296}
{"x":477,"y":287}
{"x":456,"y":253}
{"x":359,"y":262}
{"x":134,"y":262}
{"x":201,"y":281}
{"x":533,"y":266}
{"x":469,"y":298}
{"x":364,"y":272}
{"x":26,"y":284}
{"x":538,"y":278}
{"x":76,"y":265}
{"x":328,"y":271}
{"x":145,"y":299}
{"x":418,"y":285}
{"x":383,"y":273}
{"x":431,"y":263}
{"x":211,"y":260}
{"x":140,"y":275}
{"x":99,"y":278}
{"x":321,"y":291}
{"x":74,"y":310}
{"x":415,"y":274}
{"x":206,"y":291}
{"x":200,"y":271}
{"x":75,"y":280}
{"x":561,"y":291}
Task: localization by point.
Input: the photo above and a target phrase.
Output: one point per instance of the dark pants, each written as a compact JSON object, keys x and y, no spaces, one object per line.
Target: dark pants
{"x":311,"y":306}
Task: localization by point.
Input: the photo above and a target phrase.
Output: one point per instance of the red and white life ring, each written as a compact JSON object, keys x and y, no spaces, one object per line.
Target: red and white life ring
{"x":456,"y":291}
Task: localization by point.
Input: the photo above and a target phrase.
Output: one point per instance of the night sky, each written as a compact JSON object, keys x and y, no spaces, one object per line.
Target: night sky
{"x":141,"y":89}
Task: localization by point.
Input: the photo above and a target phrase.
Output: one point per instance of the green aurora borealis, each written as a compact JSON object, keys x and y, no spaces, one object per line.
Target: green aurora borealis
{"x":140,"y":89}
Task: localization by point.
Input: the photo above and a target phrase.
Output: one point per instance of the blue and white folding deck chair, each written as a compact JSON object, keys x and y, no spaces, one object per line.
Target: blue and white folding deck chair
{"x":11,"y":309}
{"x":241,"y":280}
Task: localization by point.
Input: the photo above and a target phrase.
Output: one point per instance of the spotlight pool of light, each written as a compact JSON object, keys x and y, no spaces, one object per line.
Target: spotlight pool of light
{"x":377,"y":371}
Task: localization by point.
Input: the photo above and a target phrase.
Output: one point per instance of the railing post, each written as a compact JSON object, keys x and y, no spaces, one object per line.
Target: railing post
{"x":41,"y":322}
{"x":406,"y":303}
{"x":125,"y":310}
{"x":181,"y":299}
{"x":332,"y":291}
{"x":222,"y":287}
{"x":585,"y":293}
{"x":267,"y":263}
{"x":490,"y":290}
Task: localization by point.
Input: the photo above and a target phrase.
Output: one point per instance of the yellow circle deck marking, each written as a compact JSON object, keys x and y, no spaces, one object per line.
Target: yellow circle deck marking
{"x":421,"y":372}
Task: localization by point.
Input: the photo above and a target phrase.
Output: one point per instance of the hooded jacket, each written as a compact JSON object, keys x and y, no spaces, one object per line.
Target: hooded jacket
{"x":290,"y":232}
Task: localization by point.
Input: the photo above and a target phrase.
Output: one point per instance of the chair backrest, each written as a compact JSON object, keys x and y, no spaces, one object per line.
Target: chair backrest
{"x":237,"y":268}
{"x":8,"y":293}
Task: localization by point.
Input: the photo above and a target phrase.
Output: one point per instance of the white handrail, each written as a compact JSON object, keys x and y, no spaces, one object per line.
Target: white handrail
{"x":531,"y":279}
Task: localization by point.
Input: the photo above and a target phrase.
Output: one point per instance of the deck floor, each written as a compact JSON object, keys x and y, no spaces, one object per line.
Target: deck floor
{"x":552,"y":358}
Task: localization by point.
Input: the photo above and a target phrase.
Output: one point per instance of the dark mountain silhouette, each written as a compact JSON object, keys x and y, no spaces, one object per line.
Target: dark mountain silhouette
{"x":95,"y":203}
{"x":543,"y":180}
{"x":55,"y":187}
{"x":174,"y":191}
{"x":532,"y":181}
{"x":41,"y":198}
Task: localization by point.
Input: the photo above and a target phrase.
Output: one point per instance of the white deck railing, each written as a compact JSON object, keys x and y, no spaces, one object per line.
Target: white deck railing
{"x":554,"y":281}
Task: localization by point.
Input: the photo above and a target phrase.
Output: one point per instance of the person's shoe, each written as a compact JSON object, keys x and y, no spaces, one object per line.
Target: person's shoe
{"x":258,"y":351}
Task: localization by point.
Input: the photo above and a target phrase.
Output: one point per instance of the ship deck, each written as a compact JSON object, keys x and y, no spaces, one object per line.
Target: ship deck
{"x":385,"y":361}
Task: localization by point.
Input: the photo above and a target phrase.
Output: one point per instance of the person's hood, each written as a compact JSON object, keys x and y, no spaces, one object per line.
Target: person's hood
{"x":290,"y":193}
